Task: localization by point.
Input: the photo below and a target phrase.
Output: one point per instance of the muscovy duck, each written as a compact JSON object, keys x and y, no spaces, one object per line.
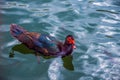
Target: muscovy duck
{"x":43,"y":43}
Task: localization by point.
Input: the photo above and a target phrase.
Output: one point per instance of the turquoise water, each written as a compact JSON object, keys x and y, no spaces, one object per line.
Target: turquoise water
{"x":94,"y":23}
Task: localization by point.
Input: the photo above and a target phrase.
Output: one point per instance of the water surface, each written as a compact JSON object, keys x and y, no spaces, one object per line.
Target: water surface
{"x":95,"y":24}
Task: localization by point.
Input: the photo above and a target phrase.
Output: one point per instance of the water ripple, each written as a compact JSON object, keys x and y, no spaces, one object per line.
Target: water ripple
{"x":94,"y":24}
{"x":101,"y":4}
{"x":109,"y":21}
{"x":15,"y":5}
{"x":54,"y":69}
{"x":4,"y":28}
{"x":11,"y":43}
{"x":86,"y":78}
{"x":105,"y":66}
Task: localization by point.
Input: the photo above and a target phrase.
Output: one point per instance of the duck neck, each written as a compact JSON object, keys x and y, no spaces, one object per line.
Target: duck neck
{"x":67,"y":49}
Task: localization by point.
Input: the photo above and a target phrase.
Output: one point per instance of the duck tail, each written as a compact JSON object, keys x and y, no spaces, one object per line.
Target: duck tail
{"x":16,"y":30}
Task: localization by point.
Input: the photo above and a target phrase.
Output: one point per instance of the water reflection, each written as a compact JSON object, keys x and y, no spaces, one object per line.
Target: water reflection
{"x":21,"y":48}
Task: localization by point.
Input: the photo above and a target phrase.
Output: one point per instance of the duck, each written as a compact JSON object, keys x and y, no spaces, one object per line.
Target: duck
{"x":44,"y":44}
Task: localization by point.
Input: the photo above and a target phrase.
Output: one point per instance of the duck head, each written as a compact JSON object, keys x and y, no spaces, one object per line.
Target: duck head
{"x":69,"y":41}
{"x":68,"y":46}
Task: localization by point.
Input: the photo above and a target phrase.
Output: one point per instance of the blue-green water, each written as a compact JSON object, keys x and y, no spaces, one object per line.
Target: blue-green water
{"x":94,"y":23}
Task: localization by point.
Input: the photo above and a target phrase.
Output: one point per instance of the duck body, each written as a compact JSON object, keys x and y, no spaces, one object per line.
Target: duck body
{"x":41,"y":43}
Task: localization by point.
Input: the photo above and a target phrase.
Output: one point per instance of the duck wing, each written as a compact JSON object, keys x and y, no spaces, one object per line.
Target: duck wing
{"x":48,"y":43}
{"x":42,"y":43}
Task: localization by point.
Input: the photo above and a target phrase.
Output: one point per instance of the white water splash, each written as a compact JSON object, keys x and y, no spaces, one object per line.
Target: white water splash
{"x":86,"y":78}
{"x":109,"y":21}
{"x":54,"y":69}
{"x":101,"y":4}
{"x":28,"y":20}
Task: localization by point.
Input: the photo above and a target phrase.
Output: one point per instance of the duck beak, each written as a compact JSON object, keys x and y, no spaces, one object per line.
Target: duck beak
{"x":74,"y":47}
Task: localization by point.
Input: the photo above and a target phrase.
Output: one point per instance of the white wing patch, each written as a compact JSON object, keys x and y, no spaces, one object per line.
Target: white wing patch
{"x":48,"y":38}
